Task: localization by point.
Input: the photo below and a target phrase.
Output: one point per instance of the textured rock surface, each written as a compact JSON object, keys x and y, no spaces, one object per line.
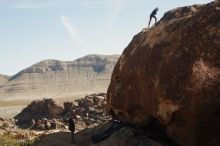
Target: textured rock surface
{"x":46,"y":108}
{"x":87,"y":115}
{"x":54,"y":78}
{"x":171,"y":73}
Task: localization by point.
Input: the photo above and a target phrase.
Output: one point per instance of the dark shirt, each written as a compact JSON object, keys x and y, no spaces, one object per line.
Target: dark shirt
{"x":71,"y":122}
{"x":154,"y":12}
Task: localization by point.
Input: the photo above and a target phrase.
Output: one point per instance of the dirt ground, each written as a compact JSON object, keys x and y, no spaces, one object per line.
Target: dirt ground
{"x":10,"y":111}
{"x":126,"y":136}
{"x":83,"y":138}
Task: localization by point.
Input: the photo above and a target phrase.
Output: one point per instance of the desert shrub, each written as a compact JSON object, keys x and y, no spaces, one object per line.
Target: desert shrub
{"x":28,"y":142}
{"x":7,"y":140}
{"x":4,"y":125}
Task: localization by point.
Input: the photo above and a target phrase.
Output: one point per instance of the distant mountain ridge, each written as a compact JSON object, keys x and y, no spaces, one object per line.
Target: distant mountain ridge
{"x":55,"y":78}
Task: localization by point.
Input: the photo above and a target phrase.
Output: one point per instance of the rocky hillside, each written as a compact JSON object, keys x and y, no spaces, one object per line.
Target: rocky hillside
{"x":3,"y":79}
{"x":168,"y":78}
{"x":54,"y":78}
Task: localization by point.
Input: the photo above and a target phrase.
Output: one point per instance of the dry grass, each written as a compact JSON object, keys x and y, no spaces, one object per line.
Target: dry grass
{"x":8,"y":140}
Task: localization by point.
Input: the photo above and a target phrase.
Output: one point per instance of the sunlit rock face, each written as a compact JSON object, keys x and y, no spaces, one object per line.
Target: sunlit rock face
{"x":171,"y":73}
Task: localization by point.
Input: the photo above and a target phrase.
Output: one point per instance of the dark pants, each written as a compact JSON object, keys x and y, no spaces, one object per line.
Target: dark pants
{"x":151,"y":19}
{"x":72,"y":137}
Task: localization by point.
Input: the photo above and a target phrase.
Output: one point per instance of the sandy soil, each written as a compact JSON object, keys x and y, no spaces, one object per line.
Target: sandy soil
{"x":10,"y":108}
{"x":10,"y":111}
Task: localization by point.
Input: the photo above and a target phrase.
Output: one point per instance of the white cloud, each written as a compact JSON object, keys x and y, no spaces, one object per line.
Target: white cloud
{"x":110,"y":23}
{"x":117,"y":8}
{"x":72,"y":30}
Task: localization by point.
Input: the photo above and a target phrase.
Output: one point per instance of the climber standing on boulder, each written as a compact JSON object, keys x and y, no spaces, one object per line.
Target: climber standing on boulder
{"x":152,"y":15}
{"x":72,"y":123}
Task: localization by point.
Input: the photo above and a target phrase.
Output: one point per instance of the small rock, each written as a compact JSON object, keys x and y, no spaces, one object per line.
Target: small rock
{"x":78,"y":117}
{"x":88,"y":102}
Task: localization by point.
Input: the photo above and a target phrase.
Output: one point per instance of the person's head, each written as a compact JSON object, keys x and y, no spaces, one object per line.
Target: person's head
{"x":157,"y":8}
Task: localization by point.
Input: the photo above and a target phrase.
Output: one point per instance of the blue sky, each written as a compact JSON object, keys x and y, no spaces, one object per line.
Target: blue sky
{"x":34,"y":30}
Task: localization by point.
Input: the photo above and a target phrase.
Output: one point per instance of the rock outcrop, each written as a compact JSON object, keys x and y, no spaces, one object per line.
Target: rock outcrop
{"x":170,"y":75}
{"x":46,"y":108}
{"x":47,"y":114}
{"x":54,"y":78}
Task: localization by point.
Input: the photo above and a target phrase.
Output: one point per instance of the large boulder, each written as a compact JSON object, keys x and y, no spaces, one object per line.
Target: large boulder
{"x":46,"y":108}
{"x":170,"y":74}
{"x":53,"y":108}
{"x":69,"y":106}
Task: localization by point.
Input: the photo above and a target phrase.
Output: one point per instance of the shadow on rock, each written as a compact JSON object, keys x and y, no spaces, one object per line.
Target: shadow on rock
{"x":126,"y":136}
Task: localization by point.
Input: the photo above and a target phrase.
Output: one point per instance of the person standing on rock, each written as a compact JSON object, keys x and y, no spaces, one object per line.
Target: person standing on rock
{"x":71,"y":122}
{"x":153,"y":15}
